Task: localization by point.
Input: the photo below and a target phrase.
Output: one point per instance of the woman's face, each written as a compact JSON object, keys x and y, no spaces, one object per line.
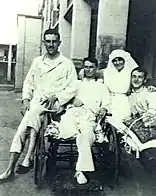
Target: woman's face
{"x":118,"y":63}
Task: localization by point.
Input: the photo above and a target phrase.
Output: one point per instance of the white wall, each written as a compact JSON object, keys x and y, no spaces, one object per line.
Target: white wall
{"x":80,"y":35}
{"x":28,"y":47}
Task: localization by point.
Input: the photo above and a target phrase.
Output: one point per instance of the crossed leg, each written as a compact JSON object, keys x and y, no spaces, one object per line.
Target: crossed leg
{"x":29,"y":125}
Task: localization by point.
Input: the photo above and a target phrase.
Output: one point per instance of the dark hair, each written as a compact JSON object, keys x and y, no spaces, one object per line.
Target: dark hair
{"x":91,"y":59}
{"x":119,"y":58}
{"x":139,"y":69}
{"x":51,"y":31}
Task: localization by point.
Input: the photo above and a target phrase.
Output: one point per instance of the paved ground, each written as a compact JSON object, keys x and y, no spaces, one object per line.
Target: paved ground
{"x":134,"y":180}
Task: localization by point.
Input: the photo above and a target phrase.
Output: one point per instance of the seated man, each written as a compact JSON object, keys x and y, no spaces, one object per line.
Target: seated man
{"x":98,"y":75}
{"x":50,"y":82}
{"x":143,"y":107}
{"x":140,"y":130}
{"x":80,"y":119}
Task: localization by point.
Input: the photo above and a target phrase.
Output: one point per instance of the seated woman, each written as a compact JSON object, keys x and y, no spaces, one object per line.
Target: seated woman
{"x":117,"y":79}
{"x":81,"y":118}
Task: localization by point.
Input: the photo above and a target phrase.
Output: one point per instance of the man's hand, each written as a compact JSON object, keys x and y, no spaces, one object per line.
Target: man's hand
{"x":25,"y":107}
{"x":49,"y":102}
{"x":53,"y":105}
{"x":77,"y":102}
{"x":101,"y":113}
{"x":149,"y":118}
{"x":151,"y":88}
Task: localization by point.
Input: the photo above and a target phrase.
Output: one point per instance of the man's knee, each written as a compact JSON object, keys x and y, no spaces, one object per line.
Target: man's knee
{"x":35,"y":110}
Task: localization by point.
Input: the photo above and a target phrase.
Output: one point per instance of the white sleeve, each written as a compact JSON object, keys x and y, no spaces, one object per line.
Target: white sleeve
{"x":28,"y":84}
{"x":70,"y":88}
{"x":106,"y":98}
{"x":151,"y":100}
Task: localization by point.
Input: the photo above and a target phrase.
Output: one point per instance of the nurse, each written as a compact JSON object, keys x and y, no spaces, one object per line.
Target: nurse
{"x":117,"y":79}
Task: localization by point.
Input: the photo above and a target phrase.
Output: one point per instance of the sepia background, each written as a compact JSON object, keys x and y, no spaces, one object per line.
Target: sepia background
{"x":87,"y":28}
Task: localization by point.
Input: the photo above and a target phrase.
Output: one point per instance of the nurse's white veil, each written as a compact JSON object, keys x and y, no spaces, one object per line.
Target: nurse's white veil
{"x":129,"y":61}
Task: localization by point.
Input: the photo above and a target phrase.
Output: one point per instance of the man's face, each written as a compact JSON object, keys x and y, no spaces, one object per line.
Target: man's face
{"x":118,"y":63}
{"x":89,"y":69}
{"x":52,"y":43}
{"x":137,"y":79}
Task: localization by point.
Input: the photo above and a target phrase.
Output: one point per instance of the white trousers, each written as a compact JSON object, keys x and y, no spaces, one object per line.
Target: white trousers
{"x":32,"y":119}
{"x":80,"y":122}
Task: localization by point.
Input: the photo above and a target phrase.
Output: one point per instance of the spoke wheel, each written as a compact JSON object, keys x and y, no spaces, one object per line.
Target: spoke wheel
{"x":114,"y":151}
{"x":39,"y":159}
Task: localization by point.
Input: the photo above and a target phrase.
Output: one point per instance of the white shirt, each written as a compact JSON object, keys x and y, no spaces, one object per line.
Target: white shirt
{"x":117,"y":82}
{"x":142,"y":101}
{"x":93,"y":94}
{"x":47,"y":77}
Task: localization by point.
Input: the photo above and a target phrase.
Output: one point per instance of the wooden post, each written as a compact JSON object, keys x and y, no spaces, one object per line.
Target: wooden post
{"x":9,"y":63}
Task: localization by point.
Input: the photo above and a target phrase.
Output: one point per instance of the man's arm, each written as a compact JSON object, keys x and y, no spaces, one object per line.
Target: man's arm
{"x":71,"y":86}
{"x":28,"y":85}
{"x":151,"y":100}
{"x":106,"y":98}
{"x":105,"y":102}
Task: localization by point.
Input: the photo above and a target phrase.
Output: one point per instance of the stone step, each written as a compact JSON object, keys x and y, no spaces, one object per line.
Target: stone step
{"x":7,"y":87}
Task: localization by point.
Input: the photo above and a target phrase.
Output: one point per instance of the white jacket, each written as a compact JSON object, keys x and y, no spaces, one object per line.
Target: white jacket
{"x":47,"y":77}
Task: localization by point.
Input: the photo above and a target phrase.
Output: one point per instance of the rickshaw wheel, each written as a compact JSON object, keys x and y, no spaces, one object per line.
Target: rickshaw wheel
{"x":39,"y":158}
{"x":114,"y":150}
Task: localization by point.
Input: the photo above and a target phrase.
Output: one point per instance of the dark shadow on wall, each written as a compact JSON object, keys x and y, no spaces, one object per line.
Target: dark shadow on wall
{"x":141,"y":31}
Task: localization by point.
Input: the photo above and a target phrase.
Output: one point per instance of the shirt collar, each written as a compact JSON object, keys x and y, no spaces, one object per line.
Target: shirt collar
{"x":143,"y":88}
{"x":58,"y":60}
{"x":89,"y":80}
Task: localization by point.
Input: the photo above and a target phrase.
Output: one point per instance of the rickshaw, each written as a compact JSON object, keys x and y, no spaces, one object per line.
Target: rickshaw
{"x":117,"y":135}
{"x":45,"y":160}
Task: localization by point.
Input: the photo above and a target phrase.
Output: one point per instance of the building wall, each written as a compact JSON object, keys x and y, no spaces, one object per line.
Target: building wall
{"x":112,"y":27}
{"x":75,"y":23}
{"x":141,"y":37}
{"x":74,"y":28}
{"x":75,"y":32}
{"x":45,"y":11}
{"x":80,"y":35}
{"x":65,"y":29}
{"x":28,"y":46}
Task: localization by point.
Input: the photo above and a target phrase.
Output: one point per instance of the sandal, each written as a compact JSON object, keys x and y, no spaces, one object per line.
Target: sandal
{"x":23,"y":169}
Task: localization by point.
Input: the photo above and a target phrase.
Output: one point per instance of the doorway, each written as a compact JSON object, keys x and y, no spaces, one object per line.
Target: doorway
{"x":141,"y":35}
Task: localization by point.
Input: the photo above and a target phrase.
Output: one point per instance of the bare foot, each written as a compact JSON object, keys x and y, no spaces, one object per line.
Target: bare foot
{"x":7,"y":175}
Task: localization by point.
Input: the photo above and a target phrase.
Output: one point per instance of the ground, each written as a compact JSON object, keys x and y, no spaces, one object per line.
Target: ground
{"x":135,"y":179}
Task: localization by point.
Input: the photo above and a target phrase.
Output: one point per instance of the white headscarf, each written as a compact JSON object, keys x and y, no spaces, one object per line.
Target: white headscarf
{"x":129,"y":61}
{"x":119,"y":82}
